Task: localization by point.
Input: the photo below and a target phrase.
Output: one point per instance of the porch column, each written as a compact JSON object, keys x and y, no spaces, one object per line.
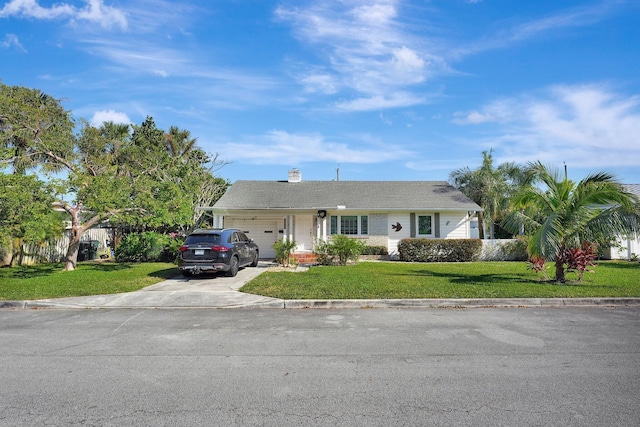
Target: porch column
{"x":321,"y":229}
{"x":324,"y":229}
{"x":288,"y":230}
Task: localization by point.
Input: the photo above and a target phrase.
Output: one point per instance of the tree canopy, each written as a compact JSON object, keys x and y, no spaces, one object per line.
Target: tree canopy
{"x":490,"y":187}
{"x":129,"y":174}
{"x":561,"y":214}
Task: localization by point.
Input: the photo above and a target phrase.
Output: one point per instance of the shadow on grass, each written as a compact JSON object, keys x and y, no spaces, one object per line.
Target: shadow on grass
{"x":476,"y":279}
{"x":28,"y":271}
{"x":503,"y":279}
{"x":622,"y":265}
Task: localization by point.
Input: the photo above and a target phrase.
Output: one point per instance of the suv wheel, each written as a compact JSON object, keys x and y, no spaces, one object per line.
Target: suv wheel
{"x":233,"y":267}
{"x":255,"y":260}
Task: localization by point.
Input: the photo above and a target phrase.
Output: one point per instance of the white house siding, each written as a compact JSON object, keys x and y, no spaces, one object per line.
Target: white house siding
{"x":396,"y":236}
{"x":454,"y":226}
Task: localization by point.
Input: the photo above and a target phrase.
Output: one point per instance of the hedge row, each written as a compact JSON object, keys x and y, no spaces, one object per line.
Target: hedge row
{"x":439,"y":250}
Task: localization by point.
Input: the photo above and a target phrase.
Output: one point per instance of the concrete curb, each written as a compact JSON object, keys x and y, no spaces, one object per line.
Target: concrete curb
{"x":353,"y":303}
{"x":465,"y":303}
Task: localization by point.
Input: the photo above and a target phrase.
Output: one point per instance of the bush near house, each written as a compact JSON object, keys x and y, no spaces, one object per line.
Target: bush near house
{"x":339,"y":250}
{"x":375,"y":250}
{"x":439,"y":250}
{"x":148,"y":247}
{"x":284,"y":248}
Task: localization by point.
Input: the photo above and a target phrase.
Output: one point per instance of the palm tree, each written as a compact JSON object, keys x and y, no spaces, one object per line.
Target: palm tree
{"x":489,"y":187}
{"x":565,"y":214}
{"x":179,"y":142}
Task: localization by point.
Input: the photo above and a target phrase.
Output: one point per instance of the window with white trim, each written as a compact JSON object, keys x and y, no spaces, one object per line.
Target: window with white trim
{"x":352,"y":225}
{"x":425,"y":225}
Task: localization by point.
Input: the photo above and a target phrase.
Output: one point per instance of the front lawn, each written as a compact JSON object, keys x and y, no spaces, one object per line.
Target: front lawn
{"x":380,"y":280}
{"x":99,"y":278}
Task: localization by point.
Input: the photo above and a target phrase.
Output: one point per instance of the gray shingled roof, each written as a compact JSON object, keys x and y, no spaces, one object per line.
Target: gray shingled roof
{"x":356,"y":195}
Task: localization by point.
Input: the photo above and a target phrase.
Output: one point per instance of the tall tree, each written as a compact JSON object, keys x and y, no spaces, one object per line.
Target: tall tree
{"x":564,"y":214}
{"x":489,"y":187}
{"x":129,"y":175}
{"x":26,"y":217}
{"x":35,"y":131}
{"x":179,"y":142}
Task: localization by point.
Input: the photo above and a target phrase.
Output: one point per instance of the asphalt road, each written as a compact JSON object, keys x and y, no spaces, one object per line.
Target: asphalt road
{"x":352,"y":367}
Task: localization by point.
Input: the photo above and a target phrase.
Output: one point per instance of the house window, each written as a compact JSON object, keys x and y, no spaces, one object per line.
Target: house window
{"x":349,"y":224}
{"x":364,"y":224}
{"x":424,"y":225}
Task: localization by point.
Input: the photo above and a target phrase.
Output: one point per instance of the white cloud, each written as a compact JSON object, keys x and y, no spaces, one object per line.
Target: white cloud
{"x":364,"y":48}
{"x":380,"y":102}
{"x":323,"y":83}
{"x":280,"y":147}
{"x":12,"y":40}
{"x":100,"y":117}
{"x":31,"y":9}
{"x":106,"y":16}
{"x":94,"y":11}
{"x":497,"y":111}
{"x":589,"y":125}
{"x":541,"y":27}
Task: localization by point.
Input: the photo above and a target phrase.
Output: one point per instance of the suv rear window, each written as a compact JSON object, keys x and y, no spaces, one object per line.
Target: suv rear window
{"x":195,"y":239}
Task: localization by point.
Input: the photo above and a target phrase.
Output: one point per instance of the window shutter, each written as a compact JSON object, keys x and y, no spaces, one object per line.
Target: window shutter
{"x":436,"y":225}
{"x":412,"y":225}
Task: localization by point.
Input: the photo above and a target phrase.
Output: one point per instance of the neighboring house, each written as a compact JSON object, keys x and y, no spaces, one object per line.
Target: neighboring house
{"x":627,"y":246}
{"x":381,"y":213}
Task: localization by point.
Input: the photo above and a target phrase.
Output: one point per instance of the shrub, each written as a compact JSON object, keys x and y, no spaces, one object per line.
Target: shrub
{"x":504,"y":250}
{"x":283,"y":249}
{"x":375,"y":250}
{"x":580,"y":259}
{"x":148,"y":247}
{"x":439,"y":250}
{"x":340,"y":250}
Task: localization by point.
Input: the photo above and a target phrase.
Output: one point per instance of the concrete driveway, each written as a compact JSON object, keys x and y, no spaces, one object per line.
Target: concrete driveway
{"x":203,"y":291}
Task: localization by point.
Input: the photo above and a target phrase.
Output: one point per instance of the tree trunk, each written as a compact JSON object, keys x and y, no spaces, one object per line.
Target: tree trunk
{"x":480,"y":225}
{"x":7,"y":254}
{"x":71,"y":258}
{"x":559,"y":269}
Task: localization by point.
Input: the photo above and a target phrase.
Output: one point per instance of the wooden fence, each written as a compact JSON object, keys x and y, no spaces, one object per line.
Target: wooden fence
{"x":55,"y":250}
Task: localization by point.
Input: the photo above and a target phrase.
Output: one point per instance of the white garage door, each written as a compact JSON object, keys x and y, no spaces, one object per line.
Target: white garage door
{"x":264,"y":233}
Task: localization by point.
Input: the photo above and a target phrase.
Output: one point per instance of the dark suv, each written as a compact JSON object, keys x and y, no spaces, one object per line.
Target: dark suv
{"x":217,"y":249}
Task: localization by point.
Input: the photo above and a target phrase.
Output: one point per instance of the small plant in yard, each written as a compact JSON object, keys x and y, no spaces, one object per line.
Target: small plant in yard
{"x":340,"y":250}
{"x":580,"y":259}
{"x":283,"y":249}
{"x":573,"y":259}
{"x":539,"y":265}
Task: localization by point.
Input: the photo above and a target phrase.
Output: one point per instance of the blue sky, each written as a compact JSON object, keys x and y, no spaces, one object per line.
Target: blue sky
{"x":384,"y":90}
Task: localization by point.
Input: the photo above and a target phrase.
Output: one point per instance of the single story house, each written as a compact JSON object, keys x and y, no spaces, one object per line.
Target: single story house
{"x":626,"y":246}
{"x":381,"y":213}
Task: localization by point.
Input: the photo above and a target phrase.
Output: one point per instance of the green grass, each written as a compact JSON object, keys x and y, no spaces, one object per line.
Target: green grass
{"x":444,"y":280}
{"x":49,"y":281}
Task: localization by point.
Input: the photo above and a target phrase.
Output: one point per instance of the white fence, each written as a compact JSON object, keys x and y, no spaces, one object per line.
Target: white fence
{"x":625,"y":249}
{"x":501,"y":250}
{"x":56,"y":250}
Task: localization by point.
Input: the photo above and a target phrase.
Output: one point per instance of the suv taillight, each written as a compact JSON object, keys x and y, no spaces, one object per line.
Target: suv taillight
{"x":219,"y":248}
{"x":183,"y":248}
